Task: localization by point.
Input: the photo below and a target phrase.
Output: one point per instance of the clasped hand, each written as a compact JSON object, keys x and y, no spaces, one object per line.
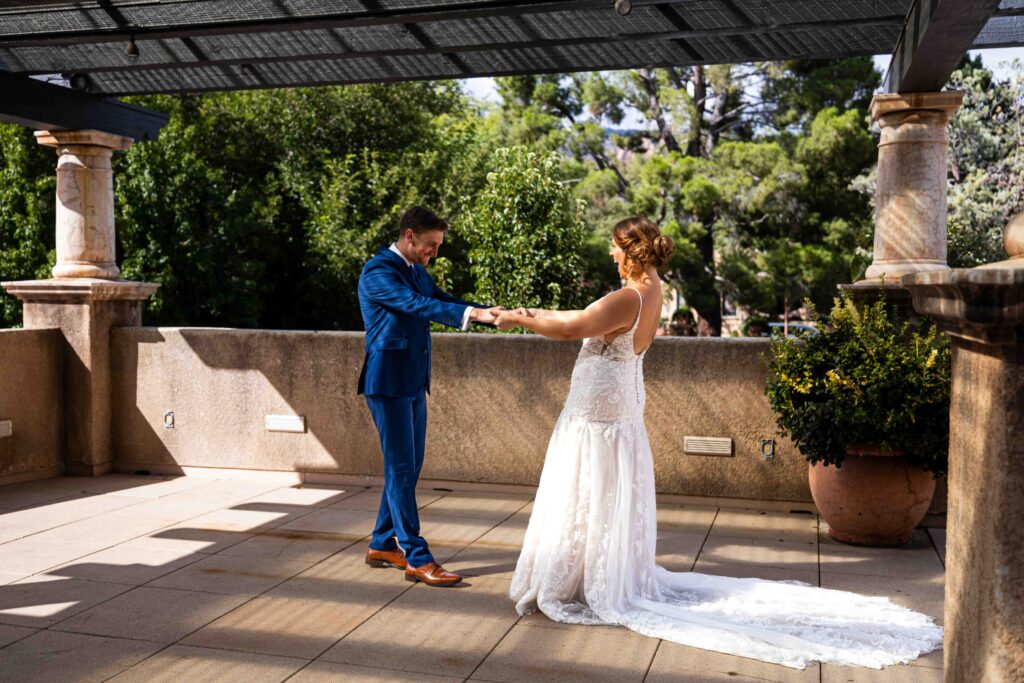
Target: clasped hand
{"x":499,"y":316}
{"x":508,"y":319}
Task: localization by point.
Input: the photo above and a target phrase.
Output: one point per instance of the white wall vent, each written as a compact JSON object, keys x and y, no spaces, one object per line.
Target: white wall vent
{"x":286,"y":423}
{"x":707,"y":445}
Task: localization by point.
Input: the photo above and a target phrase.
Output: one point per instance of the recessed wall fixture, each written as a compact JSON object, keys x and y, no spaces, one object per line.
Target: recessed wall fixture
{"x":623,"y":7}
{"x":132,"y":50}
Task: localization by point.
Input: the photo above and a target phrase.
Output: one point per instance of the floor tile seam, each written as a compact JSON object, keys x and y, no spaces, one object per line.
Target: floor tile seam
{"x":327,"y":505}
{"x":368,"y":668}
{"x":257,"y":495}
{"x":240,"y":557}
{"x":776,"y":538}
{"x":369,"y":616}
{"x":197,"y":558}
{"x":349,"y":541}
{"x":488,"y":544}
{"x":127,"y":540}
{"x":817,"y":547}
{"x":762,"y":565}
{"x":459,"y":514}
{"x":468,"y":515}
{"x":128,"y":589}
{"x":830,"y":572}
{"x":18,"y":640}
{"x":53,"y":628}
{"x":935,"y":547}
{"x":495,"y":526}
{"x":4,"y":510}
{"x":188,"y":519}
{"x":707,"y":535}
{"x":650,"y":664}
{"x":564,"y":626}
{"x":87,"y":581}
{"x":284,"y":521}
{"x":494,"y":647}
{"x":91,"y":552}
{"x":221,"y":648}
{"x":221,"y":616}
{"x":922,"y":666}
{"x":264,"y":595}
{"x":300,"y":670}
{"x":864,"y":573}
{"x":141,"y":661}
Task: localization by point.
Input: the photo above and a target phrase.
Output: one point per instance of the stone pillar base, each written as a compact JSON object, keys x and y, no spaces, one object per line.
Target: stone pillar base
{"x":81,"y":269}
{"x":84,"y":310}
{"x":982,"y":309}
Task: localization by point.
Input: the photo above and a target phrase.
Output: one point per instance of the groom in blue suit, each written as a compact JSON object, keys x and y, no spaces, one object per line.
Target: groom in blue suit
{"x":398,"y":299}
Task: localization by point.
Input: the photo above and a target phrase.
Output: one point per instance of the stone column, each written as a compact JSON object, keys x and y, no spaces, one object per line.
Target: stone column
{"x":85,"y":201}
{"x":910,"y":197}
{"x":85,"y":299}
{"x":982,"y":309}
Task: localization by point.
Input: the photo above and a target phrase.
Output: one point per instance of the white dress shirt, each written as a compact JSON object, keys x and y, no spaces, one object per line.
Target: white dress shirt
{"x":465,"y":315}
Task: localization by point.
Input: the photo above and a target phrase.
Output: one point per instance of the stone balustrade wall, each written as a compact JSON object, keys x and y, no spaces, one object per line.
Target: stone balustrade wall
{"x":30,"y":397}
{"x":495,"y":400}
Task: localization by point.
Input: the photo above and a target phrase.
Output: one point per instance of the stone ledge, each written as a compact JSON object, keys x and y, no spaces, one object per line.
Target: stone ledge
{"x":979,"y":304}
{"x":79,"y":290}
{"x":888,"y":103}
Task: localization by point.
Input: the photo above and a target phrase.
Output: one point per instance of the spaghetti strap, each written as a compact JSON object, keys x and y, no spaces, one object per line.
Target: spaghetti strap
{"x":638,"y":311}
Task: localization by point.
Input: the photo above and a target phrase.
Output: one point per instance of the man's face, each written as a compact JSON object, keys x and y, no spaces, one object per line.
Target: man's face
{"x":423,"y":247}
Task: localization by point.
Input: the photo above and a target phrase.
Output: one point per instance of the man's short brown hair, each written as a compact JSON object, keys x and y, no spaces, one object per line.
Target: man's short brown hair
{"x":420,"y":220}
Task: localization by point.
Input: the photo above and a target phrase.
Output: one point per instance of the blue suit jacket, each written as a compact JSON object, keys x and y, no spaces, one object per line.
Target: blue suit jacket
{"x":398,"y":303}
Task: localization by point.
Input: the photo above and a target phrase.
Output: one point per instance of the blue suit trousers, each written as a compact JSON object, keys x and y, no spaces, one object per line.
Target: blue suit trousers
{"x":402,"y":424}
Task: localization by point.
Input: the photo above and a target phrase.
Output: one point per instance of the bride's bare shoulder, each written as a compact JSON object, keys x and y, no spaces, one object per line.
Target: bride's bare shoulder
{"x":615,"y":310}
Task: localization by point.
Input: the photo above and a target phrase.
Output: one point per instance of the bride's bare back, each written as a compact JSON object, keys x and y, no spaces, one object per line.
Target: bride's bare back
{"x":650,"y":317}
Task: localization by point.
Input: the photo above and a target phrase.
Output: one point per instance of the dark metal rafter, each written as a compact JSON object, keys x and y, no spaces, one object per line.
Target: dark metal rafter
{"x":680,"y":37}
{"x":365,"y":18}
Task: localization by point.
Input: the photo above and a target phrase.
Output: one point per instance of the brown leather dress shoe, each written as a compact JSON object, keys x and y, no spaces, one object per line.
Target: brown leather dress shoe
{"x":385,"y":558}
{"x":432,"y":574}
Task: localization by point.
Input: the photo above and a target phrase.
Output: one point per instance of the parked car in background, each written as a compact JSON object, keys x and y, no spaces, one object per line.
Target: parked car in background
{"x":796,"y":330}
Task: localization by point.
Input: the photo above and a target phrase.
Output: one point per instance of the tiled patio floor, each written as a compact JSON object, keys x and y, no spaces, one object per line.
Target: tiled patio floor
{"x":193,"y":579}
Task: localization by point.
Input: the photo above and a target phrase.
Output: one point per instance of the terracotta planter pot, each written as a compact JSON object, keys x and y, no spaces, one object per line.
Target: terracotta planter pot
{"x":876,"y":498}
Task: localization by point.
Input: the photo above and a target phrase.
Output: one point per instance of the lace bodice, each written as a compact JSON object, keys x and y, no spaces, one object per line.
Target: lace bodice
{"x":608,"y":379}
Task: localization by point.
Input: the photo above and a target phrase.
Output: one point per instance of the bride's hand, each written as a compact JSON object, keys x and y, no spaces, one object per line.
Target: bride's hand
{"x":506,"y":320}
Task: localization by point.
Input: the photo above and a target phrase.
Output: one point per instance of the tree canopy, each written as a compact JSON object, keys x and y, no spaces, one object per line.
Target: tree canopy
{"x":258,"y":209}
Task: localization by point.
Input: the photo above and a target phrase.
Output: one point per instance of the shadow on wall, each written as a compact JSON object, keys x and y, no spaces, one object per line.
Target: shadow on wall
{"x":31,"y":400}
{"x":493,"y":404}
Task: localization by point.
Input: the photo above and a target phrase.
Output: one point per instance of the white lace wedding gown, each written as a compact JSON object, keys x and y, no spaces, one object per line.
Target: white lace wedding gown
{"x":588,"y":554}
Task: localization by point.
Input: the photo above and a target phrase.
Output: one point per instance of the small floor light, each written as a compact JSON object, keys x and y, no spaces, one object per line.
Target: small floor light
{"x":132,"y":50}
{"x":623,"y":7}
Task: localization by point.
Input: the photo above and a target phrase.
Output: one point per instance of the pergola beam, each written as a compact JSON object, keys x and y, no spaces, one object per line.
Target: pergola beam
{"x":427,"y":47}
{"x":936,"y":36}
{"x":44,"y":106}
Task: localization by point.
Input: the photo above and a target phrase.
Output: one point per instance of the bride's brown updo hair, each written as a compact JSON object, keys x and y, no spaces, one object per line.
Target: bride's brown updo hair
{"x":643,"y":243}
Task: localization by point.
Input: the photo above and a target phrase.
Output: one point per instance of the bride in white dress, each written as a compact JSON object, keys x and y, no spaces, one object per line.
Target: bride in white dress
{"x":588,"y":555}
